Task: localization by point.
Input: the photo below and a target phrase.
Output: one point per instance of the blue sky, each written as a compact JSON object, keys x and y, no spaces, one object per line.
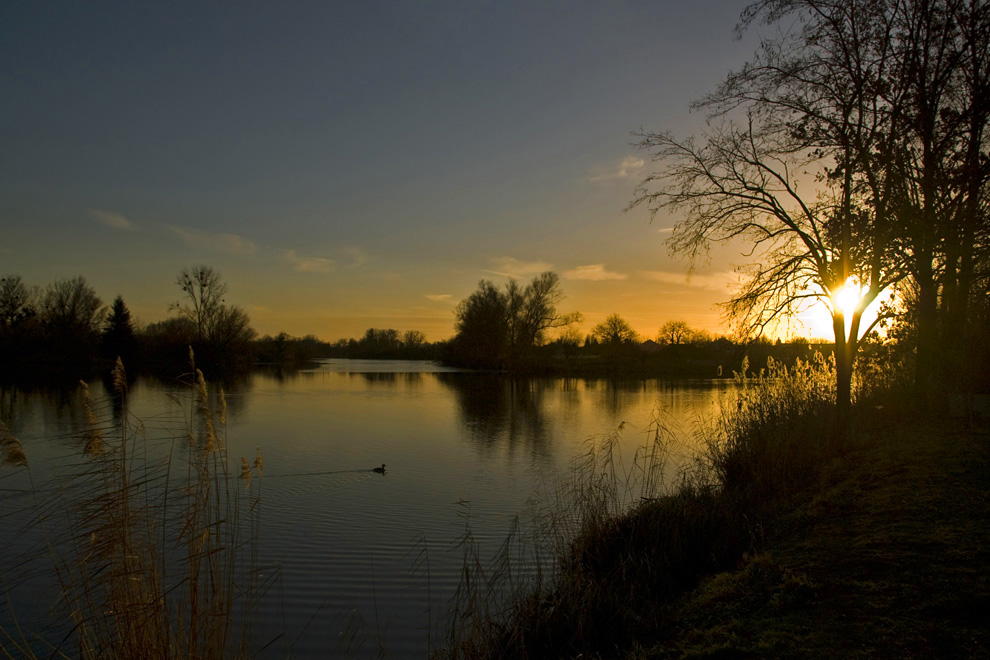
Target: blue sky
{"x":349,"y":165}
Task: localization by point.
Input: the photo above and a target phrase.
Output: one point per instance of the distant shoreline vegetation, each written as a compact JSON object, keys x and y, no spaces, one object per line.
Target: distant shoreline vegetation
{"x":64,"y":332}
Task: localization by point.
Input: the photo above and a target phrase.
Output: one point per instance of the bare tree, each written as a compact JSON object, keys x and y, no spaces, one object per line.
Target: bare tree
{"x":675,"y":332}
{"x":797,"y":165}
{"x":892,"y":99}
{"x":229,"y":329}
{"x":16,"y":300}
{"x":539,"y":313}
{"x":71,"y":305}
{"x":203,"y":301}
{"x":413,"y":339}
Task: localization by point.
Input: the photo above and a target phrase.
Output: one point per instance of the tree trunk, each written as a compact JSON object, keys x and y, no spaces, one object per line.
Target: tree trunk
{"x":844,"y":348}
{"x":927,"y":358}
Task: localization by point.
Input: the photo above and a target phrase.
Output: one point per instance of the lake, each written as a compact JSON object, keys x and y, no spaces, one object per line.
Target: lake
{"x":359,"y":559}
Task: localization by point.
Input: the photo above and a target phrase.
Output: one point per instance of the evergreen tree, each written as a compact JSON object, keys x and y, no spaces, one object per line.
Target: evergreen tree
{"x":118,"y":333}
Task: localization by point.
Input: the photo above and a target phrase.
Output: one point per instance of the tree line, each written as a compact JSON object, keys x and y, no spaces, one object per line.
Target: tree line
{"x":66,"y":329}
{"x":521,"y":329}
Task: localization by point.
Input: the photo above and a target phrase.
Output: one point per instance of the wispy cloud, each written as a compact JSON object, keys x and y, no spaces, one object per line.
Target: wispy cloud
{"x":593,"y":273}
{"x":438,"y":297}
{"x":112,"y":220}
{"x":630,"y":166}
{"x":308,"y":264}
{"x":512,"y":267}
{"x":720,"y":281}
{"x":229,"y":243}
{"x":356,"y":255}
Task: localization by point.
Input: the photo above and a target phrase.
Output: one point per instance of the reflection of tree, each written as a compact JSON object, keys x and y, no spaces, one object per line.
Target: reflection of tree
{"x":616,"y":395}
{"x":20,"y":405}
{"x":380,"y":377}
{"x":497,"y":409}
{"x":409,"y":380}
{"x":236,"y":386}
{"x":11,"y":407}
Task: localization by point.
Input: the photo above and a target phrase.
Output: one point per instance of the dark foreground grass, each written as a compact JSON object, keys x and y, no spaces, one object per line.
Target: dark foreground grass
{"x":795,"y":536}
{"x":890,"y":558}
{"x":620,"y":567}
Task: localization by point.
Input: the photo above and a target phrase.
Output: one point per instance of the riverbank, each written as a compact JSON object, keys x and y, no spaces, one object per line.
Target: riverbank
{"x":796,"y":535}
{"x":889,"y":558}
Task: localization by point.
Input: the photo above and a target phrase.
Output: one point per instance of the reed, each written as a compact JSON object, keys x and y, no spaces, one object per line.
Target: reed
{"x":11,"y":450}
{"x":160,"y":557}
{"x":614,"y":543}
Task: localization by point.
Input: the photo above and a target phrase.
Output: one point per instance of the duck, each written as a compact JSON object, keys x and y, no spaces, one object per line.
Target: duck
{"x":380,"y":470}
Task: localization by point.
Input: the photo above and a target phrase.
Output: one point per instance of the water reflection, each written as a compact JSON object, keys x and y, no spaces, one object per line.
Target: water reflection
{"x":495,"y":409}
{"x":447,"y":436}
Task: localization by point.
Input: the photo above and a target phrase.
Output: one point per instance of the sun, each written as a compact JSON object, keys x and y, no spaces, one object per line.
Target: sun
{"x":847,"y":298}
{"x":816,"y":319}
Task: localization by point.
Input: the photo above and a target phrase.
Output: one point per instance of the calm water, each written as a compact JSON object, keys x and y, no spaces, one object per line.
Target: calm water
{"x":362,"y":557}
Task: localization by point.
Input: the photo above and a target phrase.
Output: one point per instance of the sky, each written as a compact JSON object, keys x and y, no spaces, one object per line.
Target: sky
{"x":360,"y":164}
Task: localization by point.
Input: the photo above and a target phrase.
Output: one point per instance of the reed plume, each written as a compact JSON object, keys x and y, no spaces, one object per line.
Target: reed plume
{"x":11,"y":451}
{"x":152,"y":565}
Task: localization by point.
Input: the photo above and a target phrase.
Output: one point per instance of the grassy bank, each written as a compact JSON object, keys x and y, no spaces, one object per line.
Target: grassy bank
{"x":788,"y":538}
{"x":888,"y":558}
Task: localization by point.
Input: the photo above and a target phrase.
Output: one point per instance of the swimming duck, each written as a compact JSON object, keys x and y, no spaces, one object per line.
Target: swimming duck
{"x":380,"y":470}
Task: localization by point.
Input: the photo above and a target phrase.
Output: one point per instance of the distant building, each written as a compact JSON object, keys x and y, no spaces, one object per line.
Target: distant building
{"x":650,"y":346}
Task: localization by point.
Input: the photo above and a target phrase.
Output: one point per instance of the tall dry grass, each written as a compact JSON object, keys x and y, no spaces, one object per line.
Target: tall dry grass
{"x":615,"y":543}
{"x":510,"y":604}
{"x":160,"y":555}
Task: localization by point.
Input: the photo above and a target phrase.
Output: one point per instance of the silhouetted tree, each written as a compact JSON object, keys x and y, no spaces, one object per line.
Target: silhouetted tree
{"x":497,"y":329}
{"x":223,"y":333}
{"x":887,"y":102}
{"x":118,"y":333}
{"x":71,"y":316}
{"x":538,"y":312}
{"x":614,"y":331}
{"x":72,"y":306}
{"x":203,"y":301}
{"x":413,"y":339}
{"x":809,"y":109}
{"x":166,"y":343}
{"x":20,"y":332}
{"x":230,"y":331}
{"x":16,"y":301}
{"x":674,"y":332}
{"x":482,"y":328}
{"x":379,"y":343}
{"x":568,"y":342}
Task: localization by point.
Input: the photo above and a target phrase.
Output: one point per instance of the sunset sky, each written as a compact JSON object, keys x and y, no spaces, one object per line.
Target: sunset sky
{"x":355,"y":165}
